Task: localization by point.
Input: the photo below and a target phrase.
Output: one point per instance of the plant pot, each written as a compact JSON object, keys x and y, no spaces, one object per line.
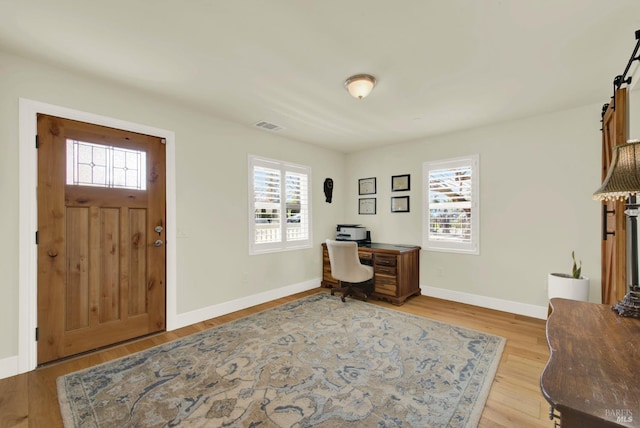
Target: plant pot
{"x":568,"y":287}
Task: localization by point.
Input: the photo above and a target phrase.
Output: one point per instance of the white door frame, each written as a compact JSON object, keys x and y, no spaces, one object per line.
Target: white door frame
{"x":28,"y":211}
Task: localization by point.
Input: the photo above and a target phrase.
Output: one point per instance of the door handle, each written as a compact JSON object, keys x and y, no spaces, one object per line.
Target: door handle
{"x":158,"y":243}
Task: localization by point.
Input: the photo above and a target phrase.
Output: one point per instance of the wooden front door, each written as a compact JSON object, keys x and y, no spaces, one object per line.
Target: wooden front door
{"x":614,"y":265}
{"x":101,"y":219}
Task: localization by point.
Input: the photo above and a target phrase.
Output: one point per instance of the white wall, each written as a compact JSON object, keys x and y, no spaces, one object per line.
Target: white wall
{"x":537,"y":176}
{"x":211,"y":178}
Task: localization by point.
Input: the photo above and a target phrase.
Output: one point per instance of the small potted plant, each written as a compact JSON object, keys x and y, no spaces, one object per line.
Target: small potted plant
{"x":569,"y":286}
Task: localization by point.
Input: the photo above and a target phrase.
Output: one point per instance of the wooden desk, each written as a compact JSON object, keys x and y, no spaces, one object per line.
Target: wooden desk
{"x":396,"y":270}
{"x":593,"y":374}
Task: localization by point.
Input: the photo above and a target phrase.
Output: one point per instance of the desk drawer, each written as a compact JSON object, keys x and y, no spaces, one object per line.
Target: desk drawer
{"x":389,"y":290}
{"x":384,"y":260}
{"x":388,"y":270}
{"x":381,"y":279}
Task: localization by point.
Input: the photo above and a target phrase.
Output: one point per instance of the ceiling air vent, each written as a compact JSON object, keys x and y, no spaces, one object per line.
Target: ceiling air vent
{"x":268,"y":126}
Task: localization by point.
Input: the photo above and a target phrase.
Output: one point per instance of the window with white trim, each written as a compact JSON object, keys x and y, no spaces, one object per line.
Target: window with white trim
{"x":279,"y":205}
{"x":450,"y":220}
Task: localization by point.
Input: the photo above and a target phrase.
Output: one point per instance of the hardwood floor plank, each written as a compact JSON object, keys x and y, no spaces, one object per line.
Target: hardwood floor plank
{"x":14,"y":411}
{"x":515,"y":400}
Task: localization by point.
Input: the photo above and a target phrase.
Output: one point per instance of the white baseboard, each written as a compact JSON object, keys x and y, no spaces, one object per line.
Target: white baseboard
{"x":525,"y":309}
{"x":8,"y":367}
{"x":193,"y":317}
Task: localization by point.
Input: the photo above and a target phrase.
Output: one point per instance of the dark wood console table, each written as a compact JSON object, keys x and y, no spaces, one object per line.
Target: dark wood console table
{"x":396,"y":270}
{"x":593,"y":374}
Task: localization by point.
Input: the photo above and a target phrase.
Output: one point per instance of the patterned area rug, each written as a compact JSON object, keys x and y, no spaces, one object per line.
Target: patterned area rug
{"x":315,"y":362}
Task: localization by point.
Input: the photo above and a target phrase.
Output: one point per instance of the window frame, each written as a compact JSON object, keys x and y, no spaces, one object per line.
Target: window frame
{"x":473,"y":246}
{"x":283,"y":244}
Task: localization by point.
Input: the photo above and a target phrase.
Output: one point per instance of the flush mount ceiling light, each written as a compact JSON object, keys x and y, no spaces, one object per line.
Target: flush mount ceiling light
{"x":360,"y":85}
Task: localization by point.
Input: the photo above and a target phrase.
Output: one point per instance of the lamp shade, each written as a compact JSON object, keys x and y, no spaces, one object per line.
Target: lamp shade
{"x":623,"y":177}
{"x":360,"y":85}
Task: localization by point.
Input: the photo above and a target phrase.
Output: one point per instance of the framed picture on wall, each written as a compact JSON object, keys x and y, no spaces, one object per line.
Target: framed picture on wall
{"x":400,"y":183}
{"x":367,"y":206}
{"x":367,"y":186}
{"x":400,"y":204}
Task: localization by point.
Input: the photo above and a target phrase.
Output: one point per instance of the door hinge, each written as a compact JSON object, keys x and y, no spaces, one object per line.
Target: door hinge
{"x":37,"y":142}
{"x":37,"y":238}
{"x":37,"y":334}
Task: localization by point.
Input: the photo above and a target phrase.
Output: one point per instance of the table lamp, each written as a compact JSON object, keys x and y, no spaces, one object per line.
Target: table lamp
{"x":623,"y":182}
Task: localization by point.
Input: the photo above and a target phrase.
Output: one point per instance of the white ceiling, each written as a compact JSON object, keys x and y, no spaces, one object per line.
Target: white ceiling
{"x":441,"y":65}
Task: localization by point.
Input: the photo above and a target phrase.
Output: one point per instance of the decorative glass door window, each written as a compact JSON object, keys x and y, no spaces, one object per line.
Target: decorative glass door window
{"x":90,"y":164}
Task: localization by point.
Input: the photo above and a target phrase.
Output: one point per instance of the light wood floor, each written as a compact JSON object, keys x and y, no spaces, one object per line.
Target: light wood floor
{"x":30,"y":399}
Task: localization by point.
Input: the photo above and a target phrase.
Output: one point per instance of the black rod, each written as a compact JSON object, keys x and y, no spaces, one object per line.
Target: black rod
{"x":605,"y":230}
{"x":634,"y":57}
{"x":633,"y":227}
{"x":621,"y":79}
{"x":634,"y":250}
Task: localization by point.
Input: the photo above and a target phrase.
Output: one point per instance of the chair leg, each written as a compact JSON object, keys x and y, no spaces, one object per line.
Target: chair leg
{"x":352,"y":290}
{"x":358,"y":292}
{"x":341,"y":289}
{"x":346,"y":291}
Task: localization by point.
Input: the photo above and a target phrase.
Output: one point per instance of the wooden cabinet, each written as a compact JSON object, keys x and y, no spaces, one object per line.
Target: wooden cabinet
{"x":592,"y":374}
{"x":396,"y":270}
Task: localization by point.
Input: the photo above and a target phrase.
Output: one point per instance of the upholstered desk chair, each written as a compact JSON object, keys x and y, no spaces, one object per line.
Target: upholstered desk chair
{"x":353,"y":276}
